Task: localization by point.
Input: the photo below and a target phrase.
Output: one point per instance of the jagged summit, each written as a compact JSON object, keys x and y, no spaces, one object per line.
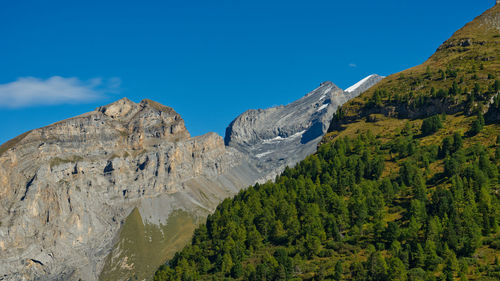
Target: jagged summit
{"x":125,"y":107}
{"x":119,"y":108}
{"x":281,"y":136}
{"x":323,"y":89}
{"x":254,"y":126}
{"x":156,"y":105}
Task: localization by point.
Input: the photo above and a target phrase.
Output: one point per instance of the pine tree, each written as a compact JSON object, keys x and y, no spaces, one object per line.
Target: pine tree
{"x":397,"y":270}
{"x":237,"y":270}
{"x":377,"y":267}
{"x":477,"y":125}
{"x":457,"y":141}
{"x":431,"y":257}
{"x":418,"y":256}
{"x":431,"y":125}
{"x":338,"y":270}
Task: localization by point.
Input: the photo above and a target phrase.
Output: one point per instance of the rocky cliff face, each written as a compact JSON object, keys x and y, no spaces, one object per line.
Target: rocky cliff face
{"x":67,"y":189}
{"x":281,"y":136}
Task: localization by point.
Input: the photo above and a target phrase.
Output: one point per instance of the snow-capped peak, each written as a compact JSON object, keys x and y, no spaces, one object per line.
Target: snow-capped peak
{"x":355,"y":86}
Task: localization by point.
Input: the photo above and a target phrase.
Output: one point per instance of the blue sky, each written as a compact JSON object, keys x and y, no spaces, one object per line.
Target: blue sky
{"x":209,"y":60}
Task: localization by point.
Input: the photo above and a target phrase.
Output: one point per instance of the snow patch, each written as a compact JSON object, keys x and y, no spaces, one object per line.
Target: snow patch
{"x":322,"y":107}
{"x":279,"y":138}
{"x":355,"y":86}
{"x":263,"y":154}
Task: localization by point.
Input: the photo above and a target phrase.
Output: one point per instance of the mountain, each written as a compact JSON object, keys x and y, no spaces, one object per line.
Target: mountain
{"x":66,"y":188}
{"x":281,"y":136}
{"x":278,"y":137}
{"x":111,"y":194}
{"x":404,"y":186}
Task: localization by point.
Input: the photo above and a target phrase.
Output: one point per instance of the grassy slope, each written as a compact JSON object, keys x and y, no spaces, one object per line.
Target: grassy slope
{"x":474,"y":63}
{"x":471,"y":67}
{"x":470,"y":62}
{"x":141,"y":248}
{"x":11,"y":143}
{"x":387,"y":129}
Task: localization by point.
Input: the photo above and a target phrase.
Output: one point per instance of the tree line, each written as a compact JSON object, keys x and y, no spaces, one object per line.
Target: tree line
{"x":412,"y":221}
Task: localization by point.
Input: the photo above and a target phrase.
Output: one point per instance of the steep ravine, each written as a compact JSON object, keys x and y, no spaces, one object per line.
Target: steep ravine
{"x":76,"y":195}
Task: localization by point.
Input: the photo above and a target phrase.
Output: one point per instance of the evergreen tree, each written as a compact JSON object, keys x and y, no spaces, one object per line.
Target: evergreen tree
{"x":477,"y":125}
{"x":457,"y":141}
{"x":237,"y":270}
{"x":397,"y":270}
{"x":326,"y":206}
{"x":377,"y":267}
{"x":338,"y":270}
{"x":431,"y":125}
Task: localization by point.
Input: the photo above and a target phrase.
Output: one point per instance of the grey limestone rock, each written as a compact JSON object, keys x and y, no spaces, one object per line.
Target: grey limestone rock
{"x":281,"y":136}
{"x":278,"y":137}
{"x":66,"y":188}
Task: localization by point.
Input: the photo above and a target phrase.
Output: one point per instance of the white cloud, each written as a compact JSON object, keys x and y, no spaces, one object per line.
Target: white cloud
{"x":29,"y":91}
{"x":352,"y":65}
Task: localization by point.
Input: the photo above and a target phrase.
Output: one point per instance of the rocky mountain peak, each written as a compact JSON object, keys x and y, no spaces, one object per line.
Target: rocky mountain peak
{"x":155,"y":105}
{"x":118,"y":109}
{"x":145,"y":120}
{"x":257,"y":125}
{"x":280,"y":136}
{"x":308,"y":117}
{"x":67,"y":187}
{"x":121,"y":124}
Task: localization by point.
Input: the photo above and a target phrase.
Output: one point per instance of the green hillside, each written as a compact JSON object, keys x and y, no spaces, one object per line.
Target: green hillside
{"x":405,"y":186}
{"x":142,"y":247}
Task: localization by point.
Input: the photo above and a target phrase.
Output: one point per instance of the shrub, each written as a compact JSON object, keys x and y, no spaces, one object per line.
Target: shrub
{"x":431,"y":125}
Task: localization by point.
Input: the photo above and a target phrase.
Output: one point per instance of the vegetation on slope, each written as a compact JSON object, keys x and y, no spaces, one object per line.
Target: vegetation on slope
{"x":335,"y":216}
{"x":404,"y":187}
{"x":11,"y":143}
{"x":142,"y":247}
{"x":461,"y":77}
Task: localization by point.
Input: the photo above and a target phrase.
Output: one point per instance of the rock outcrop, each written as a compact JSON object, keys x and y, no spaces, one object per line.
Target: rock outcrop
{"x":67,"y":189}
{"x":281,"y":136}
